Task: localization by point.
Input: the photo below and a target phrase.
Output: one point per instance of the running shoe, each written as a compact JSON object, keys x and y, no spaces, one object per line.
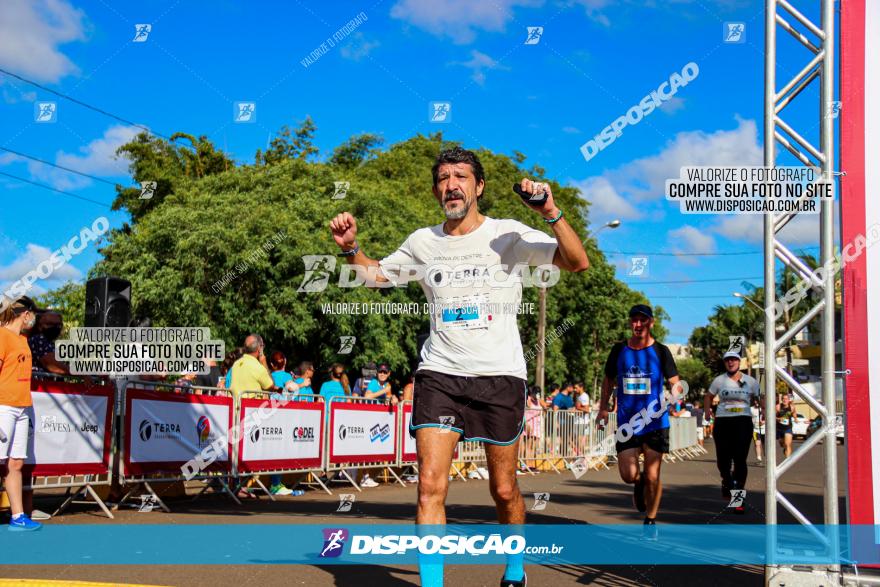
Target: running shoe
{"x":639,"y":495}
{"x":23,"y":524}
{"x":368,"y":482}
{"x":280,"y":490}
{"x":40,"y":515}
{"x":739,"y":510}
{"x":650,"y":531}
{"x":510,"y":583}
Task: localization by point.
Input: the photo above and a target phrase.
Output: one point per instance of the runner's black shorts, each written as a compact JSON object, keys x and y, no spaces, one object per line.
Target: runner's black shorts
{"x":486,"y":408}
{"x":657,"y":440}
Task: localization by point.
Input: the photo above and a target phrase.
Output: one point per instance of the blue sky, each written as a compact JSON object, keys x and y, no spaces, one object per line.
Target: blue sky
{"x":595,"y":60}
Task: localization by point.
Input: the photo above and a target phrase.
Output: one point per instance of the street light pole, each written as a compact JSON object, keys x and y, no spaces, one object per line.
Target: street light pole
{"x":542,"y":316}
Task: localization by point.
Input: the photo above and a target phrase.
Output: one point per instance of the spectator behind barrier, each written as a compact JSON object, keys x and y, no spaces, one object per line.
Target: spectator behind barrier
{"x":583,"y":398}
{"x":553,"y":390}
{"x":42,"y":343}
{"x":280,"y":377}
{"x":250,"y":372}
{"x":284,"y":381}
{"x":337,"y":385}
{"x":303,"y":378}
{"x":226,"y":367}
{"x":563,"y":400}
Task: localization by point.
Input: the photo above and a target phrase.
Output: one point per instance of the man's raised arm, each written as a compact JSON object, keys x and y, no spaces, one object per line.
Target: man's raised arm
{"x":344,"y":230}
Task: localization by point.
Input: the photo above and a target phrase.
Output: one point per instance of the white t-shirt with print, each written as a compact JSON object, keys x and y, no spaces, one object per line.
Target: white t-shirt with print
{"x":734,"y":397}
{"x":473,"y":285}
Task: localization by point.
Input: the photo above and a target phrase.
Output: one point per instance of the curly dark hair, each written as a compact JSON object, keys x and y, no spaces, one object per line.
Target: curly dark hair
{"x":459,"y":155}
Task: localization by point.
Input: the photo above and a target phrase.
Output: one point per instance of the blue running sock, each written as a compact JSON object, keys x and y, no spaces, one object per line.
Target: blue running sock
{"x":514,"y":570}
{"x":431,"y":570}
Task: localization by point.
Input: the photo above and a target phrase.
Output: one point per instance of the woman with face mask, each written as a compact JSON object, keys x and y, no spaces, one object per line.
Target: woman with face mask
{"x":16,"y":407}
{"x":41,"y":340}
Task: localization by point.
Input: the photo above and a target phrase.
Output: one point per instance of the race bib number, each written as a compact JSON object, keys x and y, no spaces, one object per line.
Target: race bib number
{"x":637,"y":385}
{"x":463,"y":313}
{"x":737,"y":407}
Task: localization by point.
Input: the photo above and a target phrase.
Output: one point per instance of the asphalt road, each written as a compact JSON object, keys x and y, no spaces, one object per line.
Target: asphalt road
{"x":691,"y":496}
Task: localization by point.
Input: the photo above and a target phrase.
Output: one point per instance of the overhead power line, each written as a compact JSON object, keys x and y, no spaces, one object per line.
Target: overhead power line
{"x":668,"y":254}
{"x":84,"y":104}
{"x":48,"y":187}
{"x":68,"y":169}
{"x":687,"y":281}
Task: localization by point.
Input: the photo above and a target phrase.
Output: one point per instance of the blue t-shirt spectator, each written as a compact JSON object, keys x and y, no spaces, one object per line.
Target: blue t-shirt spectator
{"x":331,"y":389}
{"x":563,"y":401}
{"x":304,"y":390}
{"x":280,"y":379}
{"x":229,"y":379}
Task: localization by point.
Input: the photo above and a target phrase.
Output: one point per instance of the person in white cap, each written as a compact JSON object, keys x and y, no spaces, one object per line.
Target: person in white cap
{"x":736,"y":392}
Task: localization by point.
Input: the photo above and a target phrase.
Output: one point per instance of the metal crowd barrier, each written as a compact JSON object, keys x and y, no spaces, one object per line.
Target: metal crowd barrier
{"x":171,"y":473}
{"x":551,"y":440}
{"x":683,"y":438}
{"x":313,"y":472}
{"x":337,"y":433}
{"x":79,"y":486}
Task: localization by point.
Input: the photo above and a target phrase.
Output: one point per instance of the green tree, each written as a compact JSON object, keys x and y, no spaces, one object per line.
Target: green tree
{"x":168,"y":164}
{"x":697,"y":375}
{"x":290,"y":144}
{"x":224,"y":247}
{"x":69,"y":300}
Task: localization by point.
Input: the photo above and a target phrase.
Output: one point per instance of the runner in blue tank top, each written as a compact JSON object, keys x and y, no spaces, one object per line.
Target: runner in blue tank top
{"x":637,"y":369}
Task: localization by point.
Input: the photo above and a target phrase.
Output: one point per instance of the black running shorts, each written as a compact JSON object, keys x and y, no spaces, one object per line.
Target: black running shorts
{"x":487,"y":409}
{"x":657,"y":440}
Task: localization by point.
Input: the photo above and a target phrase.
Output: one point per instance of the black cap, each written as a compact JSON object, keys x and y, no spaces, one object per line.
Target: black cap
{"x":641,"y":309}
{"x":371,"y":365}
{"x":384,"y":367}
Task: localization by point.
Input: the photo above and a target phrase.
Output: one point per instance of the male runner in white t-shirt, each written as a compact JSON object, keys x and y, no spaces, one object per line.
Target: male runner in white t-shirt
{"x":471,"y":382}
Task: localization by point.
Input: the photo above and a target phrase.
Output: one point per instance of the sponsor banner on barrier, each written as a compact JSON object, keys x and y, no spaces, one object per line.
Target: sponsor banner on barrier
{"x":408,"y":451}
{"x":404,"y":544}
{"x":165,"y":430}
{"x":362,"y":433}
{"x":71,"y":429}
{"x":286,"y":438}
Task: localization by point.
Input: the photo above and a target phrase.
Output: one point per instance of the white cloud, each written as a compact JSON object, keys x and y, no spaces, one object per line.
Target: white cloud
{"x":690,"y":239}
{"x":572,"y":130}
{"x":30,"y":33}
{"x":459,"y":20}
{"x":672,"y":105}
{"x":97,"y":158}
{"x":13,"y":92}
{"x":741,"y":227}
{"x":618,"y":192}
{"x":594,"y":8}
{"x":28,"y":261}
{"x":606,"y":203}
{"x":358,"y":47}
{"x":478,"y":64}
{"x":597,"y":10}
{"x":801,"y":231}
